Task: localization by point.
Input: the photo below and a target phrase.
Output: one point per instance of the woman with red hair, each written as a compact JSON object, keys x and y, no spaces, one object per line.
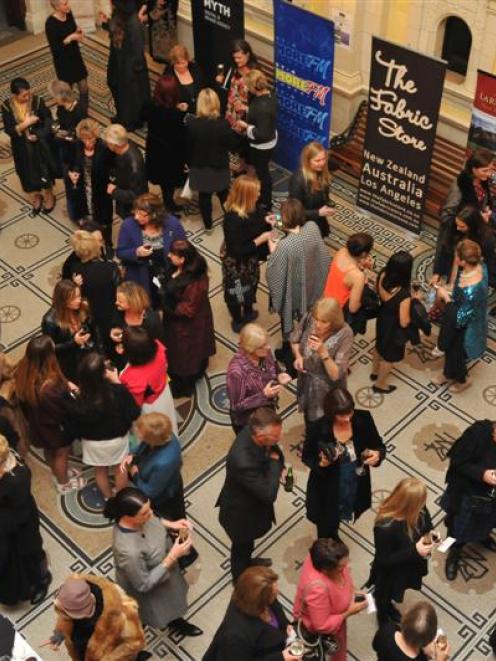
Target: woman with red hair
{"x":165,"y":142}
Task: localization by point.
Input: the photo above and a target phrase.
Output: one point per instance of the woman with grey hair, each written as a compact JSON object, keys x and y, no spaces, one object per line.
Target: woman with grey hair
{"x":63,"y":37}
{"x":69,"y":113}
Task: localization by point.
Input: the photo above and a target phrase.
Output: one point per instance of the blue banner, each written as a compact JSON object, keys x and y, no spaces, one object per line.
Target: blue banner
{"x":304,"y":57}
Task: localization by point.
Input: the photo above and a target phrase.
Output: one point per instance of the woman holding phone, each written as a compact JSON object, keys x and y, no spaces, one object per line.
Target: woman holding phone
{"x":146,"y":561}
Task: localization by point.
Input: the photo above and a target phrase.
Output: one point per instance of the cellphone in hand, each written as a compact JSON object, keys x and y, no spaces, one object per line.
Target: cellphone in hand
{"x":359,"y":598}
{"x":183,"y":534}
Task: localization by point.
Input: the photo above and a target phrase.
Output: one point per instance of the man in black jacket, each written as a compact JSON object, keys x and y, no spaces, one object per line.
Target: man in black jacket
{"x":253,"y":472}
{"x":470,"y":497}
{"x":129,"y":170}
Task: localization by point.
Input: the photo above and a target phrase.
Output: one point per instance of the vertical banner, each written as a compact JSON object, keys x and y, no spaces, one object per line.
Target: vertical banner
{"x":404,"y":98}
{"x":483,"y":125}
{"x":304,"y":58}
{"x":215,"y":24}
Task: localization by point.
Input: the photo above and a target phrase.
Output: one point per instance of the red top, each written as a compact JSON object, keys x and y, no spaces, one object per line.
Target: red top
{"x":335,"y":286}
{"x":147,"y":382}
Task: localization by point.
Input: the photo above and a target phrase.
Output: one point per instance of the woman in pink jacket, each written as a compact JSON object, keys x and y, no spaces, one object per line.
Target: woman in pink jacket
{"x":326,"y":596}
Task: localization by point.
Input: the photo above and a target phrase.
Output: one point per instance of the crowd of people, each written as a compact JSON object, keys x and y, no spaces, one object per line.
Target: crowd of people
{"x":131,"y":328}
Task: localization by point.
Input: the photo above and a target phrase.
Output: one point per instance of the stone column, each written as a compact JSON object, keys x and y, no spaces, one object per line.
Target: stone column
{"x":36,"y":13}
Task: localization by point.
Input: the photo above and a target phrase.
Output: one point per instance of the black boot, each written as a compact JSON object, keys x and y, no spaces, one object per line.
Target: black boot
{"x":451,"y":566}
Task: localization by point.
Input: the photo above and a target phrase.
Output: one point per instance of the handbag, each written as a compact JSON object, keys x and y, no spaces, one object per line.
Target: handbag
{"x":481,"y":505}
{"x":318,"y":646}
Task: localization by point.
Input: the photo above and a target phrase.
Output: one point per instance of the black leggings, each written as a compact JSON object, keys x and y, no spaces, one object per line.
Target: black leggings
{"x":205,"y":204}
{"x":260,"y":159}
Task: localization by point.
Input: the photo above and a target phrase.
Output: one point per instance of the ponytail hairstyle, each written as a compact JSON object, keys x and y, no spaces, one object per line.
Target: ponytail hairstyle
{"x":126,"y":502}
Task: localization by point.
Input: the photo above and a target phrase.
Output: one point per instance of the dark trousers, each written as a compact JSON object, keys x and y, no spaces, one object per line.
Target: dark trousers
{"x":260,"y":159}
{"x":241,"y":557}
{"x":451,"y":341}
{"x":238,"y":311}
{"x":205,"y":204}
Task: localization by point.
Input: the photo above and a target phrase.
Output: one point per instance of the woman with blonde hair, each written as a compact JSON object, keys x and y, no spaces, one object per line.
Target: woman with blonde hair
{"x":402,"y":546}
{"x":133,"y":308}
{"x":253,"y":376}
{"x":88,"y":174}
{"x":69,"y":325}
{"x":260,"y":127}
{"x":310,"y":184}
{"x":43,"y":393}
{"x":64,"y":36}
{"x":245,"y":232}
{"x":209,"y":139}
{"x":321,"y":345}
{"x":98,"y":279}
{"x":23,"y":563}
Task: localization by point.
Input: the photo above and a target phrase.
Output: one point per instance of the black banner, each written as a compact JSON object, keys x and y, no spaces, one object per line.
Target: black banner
{"x":404,"y":97}
{"x":215,"y":24}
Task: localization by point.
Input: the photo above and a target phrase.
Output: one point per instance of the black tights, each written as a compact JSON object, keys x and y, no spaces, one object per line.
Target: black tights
{"x":84,"y":95}
{"x":205,"y":204}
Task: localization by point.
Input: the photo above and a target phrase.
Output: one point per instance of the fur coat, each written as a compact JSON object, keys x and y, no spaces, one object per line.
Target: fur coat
{"x":118,"y":634}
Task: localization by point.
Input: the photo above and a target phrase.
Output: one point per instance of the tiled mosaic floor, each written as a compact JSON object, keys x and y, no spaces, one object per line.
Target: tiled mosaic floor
{"x":419,"y":422}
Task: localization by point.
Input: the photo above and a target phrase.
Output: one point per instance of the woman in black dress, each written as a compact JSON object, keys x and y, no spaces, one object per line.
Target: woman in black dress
{"x":88,"y":174}
{"x":64,"y":37}
{"x":127,"y":72}
{"x":166,"y":135}
{"x":69,"y":325}
{"x":245,"y":231}
{"x":340,"y":449}
{"x":310,"y":184}
{"x":209,"y":141}
{"x":260,"y":127}
{"x":98,"y":279}
{"x":23,"y":563}
{"x":393,"y":286}
{"x":28,"y":123}
{"x":69,"y":113}
{"x":400,"y":559}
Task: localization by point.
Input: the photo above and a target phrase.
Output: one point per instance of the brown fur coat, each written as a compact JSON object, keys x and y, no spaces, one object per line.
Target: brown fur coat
{"x":118,"y":634}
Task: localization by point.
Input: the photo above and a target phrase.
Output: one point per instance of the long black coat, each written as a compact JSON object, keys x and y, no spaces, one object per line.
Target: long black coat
{"x":101,"y":164}
{"x":397,"y":566}
{"x":247,"y":498}
{"x":323,"y":483}
{"x":243,"y":637}
{"x":35,"y":162}
{"x":21,"y":547}
{"x":165,"y":150}
{"x":467,"y":463}
{"x":127,"y":72}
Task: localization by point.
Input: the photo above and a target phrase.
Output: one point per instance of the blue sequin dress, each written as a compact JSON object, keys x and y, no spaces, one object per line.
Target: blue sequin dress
{"x":471,"y":314}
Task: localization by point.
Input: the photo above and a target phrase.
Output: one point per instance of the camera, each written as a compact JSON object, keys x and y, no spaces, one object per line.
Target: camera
{"x":331,"y":451}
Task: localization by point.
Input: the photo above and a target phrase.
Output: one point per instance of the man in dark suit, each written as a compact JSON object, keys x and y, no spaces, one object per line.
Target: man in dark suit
{"x":253,"y":473}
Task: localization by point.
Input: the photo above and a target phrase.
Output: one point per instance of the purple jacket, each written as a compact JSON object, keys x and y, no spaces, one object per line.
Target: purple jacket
{"x":130,"y":238}
{"x":245,"y":384}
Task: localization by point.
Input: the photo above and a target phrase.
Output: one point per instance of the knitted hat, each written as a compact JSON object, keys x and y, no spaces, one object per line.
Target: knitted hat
{"x":75,"y":599}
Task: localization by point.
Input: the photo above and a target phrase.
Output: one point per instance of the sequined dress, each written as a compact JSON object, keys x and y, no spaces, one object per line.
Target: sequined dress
{"x":471,"y":314}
